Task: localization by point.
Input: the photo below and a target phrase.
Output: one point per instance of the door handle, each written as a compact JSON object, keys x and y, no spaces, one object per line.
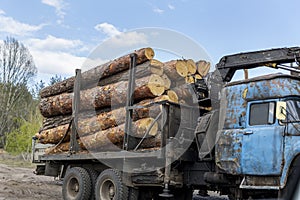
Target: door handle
{"x":248,"y":132}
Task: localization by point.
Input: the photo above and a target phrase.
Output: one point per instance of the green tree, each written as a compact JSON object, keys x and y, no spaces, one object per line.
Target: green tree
{"x":16,"y":70}
{"x":55,"y":79}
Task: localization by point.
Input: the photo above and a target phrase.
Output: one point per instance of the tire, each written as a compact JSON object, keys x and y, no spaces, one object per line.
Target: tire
{"x":133,"y":194}
{"x":292,"y":182}
{"x":93,"y":176}
{"x":109,"y":186}
{"x":76,"y":184}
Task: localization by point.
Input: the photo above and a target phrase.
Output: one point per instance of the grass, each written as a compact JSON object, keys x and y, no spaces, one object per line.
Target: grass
{"x":14,"y":160}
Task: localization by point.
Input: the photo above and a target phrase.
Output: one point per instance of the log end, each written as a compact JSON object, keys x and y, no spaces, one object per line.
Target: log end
{"x":191,"y":65}
{"x":172,"y":96}
{"x":181,"y":68}
{"x":149,"y":53}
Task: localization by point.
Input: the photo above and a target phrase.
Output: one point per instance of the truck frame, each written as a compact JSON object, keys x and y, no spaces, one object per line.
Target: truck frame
{"x":246,"y":146}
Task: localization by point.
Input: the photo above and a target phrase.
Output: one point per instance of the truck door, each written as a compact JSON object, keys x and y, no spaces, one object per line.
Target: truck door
{"x":262,"y":143}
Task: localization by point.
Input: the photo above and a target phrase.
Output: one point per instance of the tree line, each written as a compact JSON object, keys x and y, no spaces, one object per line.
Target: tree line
{"x":20,"y":118}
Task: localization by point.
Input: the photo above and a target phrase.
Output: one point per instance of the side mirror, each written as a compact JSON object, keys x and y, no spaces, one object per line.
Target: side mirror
{"x":281,"y":110}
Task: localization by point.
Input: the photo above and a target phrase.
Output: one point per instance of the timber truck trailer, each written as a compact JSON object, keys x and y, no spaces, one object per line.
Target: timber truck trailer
{"x":247,"y":146}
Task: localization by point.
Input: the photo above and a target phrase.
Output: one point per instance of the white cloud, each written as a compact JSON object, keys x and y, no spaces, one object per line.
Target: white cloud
{"x":52,"y":43}
{"x":54,"y":55}
{"x":14,"y":27}
{"x":158,"y":10}
{"x":129,"y":39}
{"x":59,"y":6}
{"x":171,"y":7}
{"x":108,"y":29}
{"x":121,"y":39}
{"x":51,"y":62}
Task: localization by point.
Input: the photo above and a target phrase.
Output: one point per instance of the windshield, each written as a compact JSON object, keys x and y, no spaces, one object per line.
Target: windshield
{"x":293,"y":111}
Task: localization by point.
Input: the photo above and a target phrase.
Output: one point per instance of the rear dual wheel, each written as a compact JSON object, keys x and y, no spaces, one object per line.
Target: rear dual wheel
{"x":77,"y":184}
{"x":109,"y":186}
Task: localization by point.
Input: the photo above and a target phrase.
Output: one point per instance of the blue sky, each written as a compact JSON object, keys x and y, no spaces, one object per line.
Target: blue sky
{"x":60,"y":34}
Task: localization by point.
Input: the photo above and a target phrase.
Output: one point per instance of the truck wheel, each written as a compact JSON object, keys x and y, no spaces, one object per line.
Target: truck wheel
{"x":93,"y":176}
{"x":76,"y":184}
{"x":109,"y":186}
{"x":133,"y":194}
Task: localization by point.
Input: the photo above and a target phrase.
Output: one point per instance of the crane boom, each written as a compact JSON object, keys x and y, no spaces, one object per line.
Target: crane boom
{"x":228,"y":65}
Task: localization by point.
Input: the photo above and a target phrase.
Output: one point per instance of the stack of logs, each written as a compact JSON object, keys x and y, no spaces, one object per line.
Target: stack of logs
{"x":102,"y":101}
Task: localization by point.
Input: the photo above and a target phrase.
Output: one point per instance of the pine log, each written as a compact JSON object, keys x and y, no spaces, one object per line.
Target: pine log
{"x":103,"y":96}
{"x":176,"y":69}
{"x":149,"y":142}
{"x":190,"y":79}
{"x":172,"y":96}
{"x":184,"y":93}
{"x":103,"y":120}
{"x":115,"y":134}
{"x":191,"y":65}
{"x":145,"y":69}
{"x":167,"y":81}
{"x":203,"y":67}
{"x":101,"y":71}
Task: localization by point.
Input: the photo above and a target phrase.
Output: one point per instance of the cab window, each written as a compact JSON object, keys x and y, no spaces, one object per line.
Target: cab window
{"x":262,"y":113}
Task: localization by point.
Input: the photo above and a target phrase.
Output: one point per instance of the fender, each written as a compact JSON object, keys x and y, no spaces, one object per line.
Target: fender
{"x":291,"y":155}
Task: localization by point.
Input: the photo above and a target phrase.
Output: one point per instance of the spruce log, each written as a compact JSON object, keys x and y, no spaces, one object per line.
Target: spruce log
{"x":203,"y":67}
{"x":101,"y":71}
{"x":103,"y":96}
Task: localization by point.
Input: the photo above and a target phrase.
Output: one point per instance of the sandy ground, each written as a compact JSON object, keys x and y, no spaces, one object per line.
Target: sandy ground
{"x":17,"y":181}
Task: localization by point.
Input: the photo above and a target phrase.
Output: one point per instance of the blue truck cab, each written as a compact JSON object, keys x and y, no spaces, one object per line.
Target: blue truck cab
{"x":258,"y":138}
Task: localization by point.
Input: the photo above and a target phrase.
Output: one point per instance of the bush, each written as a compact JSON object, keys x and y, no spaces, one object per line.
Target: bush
{"x":20,"y":140}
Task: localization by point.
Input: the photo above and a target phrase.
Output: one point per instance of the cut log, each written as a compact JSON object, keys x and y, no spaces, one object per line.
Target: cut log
{"x":56,"y":121}
{"x":103,"y":121}
{"x":115,"y":135}
{"x":198,"y":77}
{"x":150,"y":67}
{"x":191,"y":65}
{"x":190,"y":79}
{"x":150,"y":142}
{"x":103,"y":96}
{"x":185,"y":94}
{"x":54,"y":135}
{"x":167,"y":81}
{"x":203,"y":67}
{"x":176,"y":69}
{"x":94,"y":74}
{"x":172,"y":96}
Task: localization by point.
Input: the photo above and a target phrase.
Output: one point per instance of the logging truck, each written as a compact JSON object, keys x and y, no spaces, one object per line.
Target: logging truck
{"x":240,"y":138}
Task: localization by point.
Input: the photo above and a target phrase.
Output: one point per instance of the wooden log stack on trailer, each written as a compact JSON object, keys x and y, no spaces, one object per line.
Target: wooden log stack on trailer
{"x":102,"y":116}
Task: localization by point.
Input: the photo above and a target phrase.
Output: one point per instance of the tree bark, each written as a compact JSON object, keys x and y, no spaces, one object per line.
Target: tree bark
{"x":103,"y":120}
{"x":113,"y":135}
{"x":145,"y":69}
{"x":103,"y":96}
{"x":151,"y":142}
{"x":101,"y":71}
{"x":176,"y":69}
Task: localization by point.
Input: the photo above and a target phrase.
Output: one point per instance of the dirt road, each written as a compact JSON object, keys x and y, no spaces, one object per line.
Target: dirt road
{"x":17,"y":181}
{"x":21,"y":183}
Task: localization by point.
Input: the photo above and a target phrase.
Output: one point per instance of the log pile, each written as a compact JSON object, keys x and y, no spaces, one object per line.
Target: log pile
{"x":102,"y":102}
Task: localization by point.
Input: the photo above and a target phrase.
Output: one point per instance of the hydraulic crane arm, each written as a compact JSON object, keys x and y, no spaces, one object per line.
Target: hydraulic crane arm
{"x":274,"y":58}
